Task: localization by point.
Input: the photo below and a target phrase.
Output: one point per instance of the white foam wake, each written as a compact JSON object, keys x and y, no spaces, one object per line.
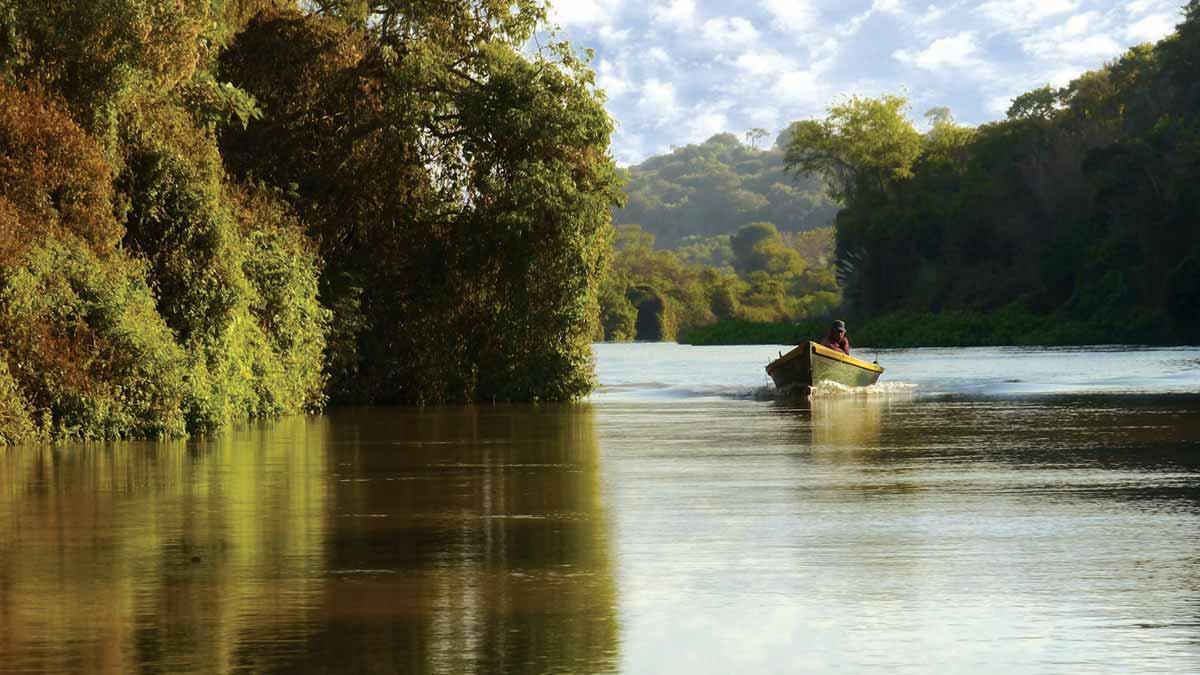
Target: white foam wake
{"x":829,"y":389}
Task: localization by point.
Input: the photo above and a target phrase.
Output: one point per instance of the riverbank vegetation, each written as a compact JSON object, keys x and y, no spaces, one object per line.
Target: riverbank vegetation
{"x":223,"y":210}
{"x":1073,"y":220}
{"x":1012,"y":325}
{"x":758,"y":274}
{"x":1081,"y":205}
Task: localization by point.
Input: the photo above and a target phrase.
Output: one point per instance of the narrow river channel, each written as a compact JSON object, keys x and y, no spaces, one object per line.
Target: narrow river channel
{"x":982,"y":510}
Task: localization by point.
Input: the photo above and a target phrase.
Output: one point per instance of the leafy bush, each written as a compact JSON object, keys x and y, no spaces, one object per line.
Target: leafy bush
{"x":86,"y":347}
{"x":54,"y":178}
{"x":234,"y":274}
{"x":16,"y":423}
{"x":283,"y":269}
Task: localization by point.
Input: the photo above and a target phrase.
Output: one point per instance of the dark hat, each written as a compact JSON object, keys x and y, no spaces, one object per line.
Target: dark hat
{"x":839,"y":325}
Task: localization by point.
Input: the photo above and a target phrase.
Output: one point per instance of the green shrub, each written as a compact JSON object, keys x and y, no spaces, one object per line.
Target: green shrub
{"x":86,"y":347}
{"x":54,"y":179}
{"x":16,"y":424}
{"x":281,"y":265}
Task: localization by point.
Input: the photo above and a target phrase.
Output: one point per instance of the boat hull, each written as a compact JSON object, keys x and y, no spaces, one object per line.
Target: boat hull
{"x":811,"y":363}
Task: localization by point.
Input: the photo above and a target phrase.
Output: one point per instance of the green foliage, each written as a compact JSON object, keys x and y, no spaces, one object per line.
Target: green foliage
{"x":219,"y":103}
{"x":281,"y":266}
{"x":205,"y":316}
{"x":1012,"y":325}
{"x":861,"y":148}
{"x":713,"y":188}
{"x":458,"y":188}
{"x":1039,"y":104}
{"x":16,"y":422}
{"x":86,"y":347}
{"x":1081,"y":205}
{"x":178,"y":221}
{"x":655,"y":295}
{"x":98,"y":54}
{"x":742,"y":332}
{"x":618,"y":316}
{"x":54,"y":179}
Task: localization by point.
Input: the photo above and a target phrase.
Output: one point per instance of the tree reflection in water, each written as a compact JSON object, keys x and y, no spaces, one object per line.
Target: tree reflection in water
{"x":457,"y":540}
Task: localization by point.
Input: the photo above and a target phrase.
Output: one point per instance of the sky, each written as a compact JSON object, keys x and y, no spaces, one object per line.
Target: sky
{"x":678,"y":71}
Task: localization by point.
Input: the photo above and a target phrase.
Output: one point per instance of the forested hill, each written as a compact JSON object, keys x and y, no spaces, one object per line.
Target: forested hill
{"x":718,"y":186}
{"x":1081,"y":205}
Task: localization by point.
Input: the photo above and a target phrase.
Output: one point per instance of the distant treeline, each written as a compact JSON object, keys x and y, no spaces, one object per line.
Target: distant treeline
{"x":1012,"y":325}
{"x":1084,"y":204}
{"x":1075,"y":220}
{"x":212,"y":211}
{"x":757,"y":274}
{"x":719,"y":186}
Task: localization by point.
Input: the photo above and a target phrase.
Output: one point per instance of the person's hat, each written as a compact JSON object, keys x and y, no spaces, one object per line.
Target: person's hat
{"x":839,"y":325}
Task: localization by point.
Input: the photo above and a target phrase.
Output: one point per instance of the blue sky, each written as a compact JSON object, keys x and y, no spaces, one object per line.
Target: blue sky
{"x":678,"y":71}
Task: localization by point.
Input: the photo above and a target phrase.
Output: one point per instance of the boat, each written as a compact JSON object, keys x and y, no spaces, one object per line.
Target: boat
{"x":812,"y":363}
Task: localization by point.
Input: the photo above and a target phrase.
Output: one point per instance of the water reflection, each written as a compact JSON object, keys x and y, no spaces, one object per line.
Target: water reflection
{"x":453,"y":541}
{"x":469,"y":540}
{"x":159,"y":556}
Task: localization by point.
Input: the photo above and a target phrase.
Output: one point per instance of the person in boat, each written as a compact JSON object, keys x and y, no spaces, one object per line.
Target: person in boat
{"x":836,"y":338}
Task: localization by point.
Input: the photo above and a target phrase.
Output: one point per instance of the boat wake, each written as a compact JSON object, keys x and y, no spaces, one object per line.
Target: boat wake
{"x":825,"y":390}
{"x":829,"y":389}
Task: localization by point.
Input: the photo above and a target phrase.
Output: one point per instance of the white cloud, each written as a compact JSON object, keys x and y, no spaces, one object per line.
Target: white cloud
{"x":1078,"y":24}
{"x":766,"y":117}
{"x":677,"y":14}
{"x":658,"y":98}
{"x":887,"y":6}
{"x":791,"y":16}
{"x":1151,"y":28}
{"x":803,"y":89}
{"x":932,"y":14}
{"x":763,"y":62}
{"x":584,"y":12}
{"x":702,"y":126}
{"x":1139,"y":7}
{"x":667,"y":65}
{"x":999,"y":105}
{"x":613,"y":78}
{"x":855,"y":23}
{"x":610,"y":35}
{"x":728,"y":32}
{"x":1016,"y":14}
{"x":1058,"y":46}
{"x":958,"y":51}
{"x":1091,"y":49}
{"x":658,"y":55}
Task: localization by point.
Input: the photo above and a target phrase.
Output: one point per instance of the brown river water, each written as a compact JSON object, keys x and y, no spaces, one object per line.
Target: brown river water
{"x":986,"y":511}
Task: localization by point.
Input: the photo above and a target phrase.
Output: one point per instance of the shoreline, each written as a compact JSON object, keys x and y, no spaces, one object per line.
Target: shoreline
{"x":1008,"y":327}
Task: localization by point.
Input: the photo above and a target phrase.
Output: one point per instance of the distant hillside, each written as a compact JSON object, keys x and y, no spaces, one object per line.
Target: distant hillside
{"x":715,"y":188}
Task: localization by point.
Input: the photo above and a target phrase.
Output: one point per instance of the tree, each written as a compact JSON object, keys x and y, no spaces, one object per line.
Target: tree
{"x":459,"y":188}
{"x":1039,"y":104}
{"x":863,"y":146}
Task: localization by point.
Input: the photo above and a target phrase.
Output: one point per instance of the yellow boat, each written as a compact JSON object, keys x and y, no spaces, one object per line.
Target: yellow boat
{"x":811,"y":363}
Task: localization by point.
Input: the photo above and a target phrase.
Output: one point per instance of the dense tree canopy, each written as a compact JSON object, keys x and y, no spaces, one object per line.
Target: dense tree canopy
{"x":480,"y":175}
{"x":220,"y":210}
{"x":770,"y":276}
{"x":718,"y":186}
{"x":1082,"y":203}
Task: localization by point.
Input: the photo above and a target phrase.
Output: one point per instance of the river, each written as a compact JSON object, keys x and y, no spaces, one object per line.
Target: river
{"x":982,"y":511}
